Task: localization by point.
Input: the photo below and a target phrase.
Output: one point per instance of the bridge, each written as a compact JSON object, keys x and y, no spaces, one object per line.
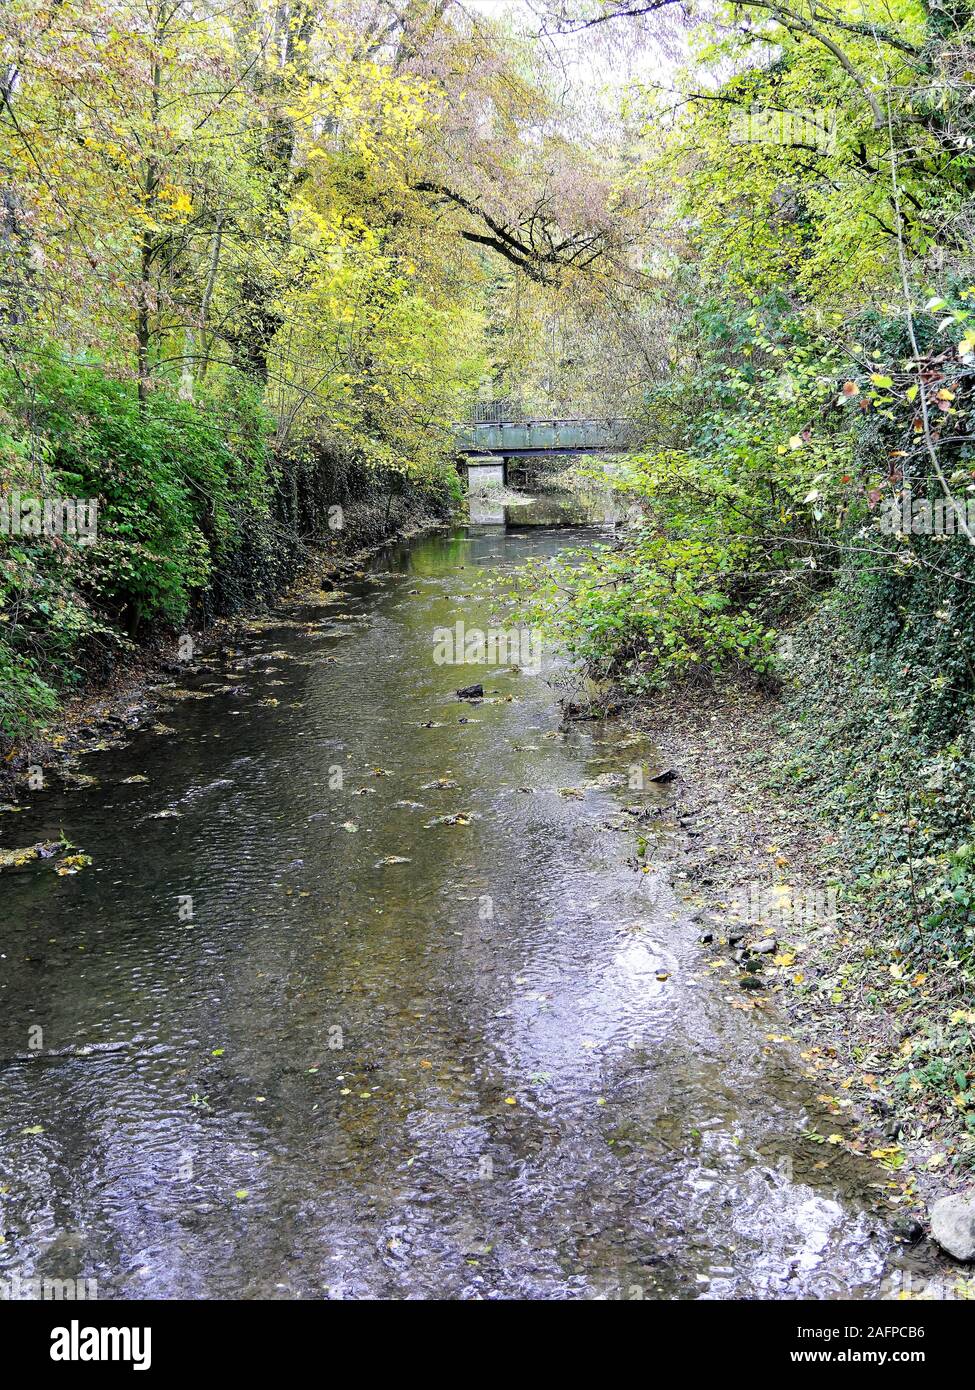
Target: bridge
{"x":483,"y":448}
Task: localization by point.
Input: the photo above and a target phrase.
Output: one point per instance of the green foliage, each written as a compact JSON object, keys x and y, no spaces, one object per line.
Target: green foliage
{"x":733,"y":521}
{"x":651,"y":610}
{"x":167,"y":475}
{"x":25,"y":699}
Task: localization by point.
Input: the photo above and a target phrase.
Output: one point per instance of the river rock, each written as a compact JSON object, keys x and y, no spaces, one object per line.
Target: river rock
{"x":763,"y":948}
{"x":953,"y":1226}
{"x":471,"y":692}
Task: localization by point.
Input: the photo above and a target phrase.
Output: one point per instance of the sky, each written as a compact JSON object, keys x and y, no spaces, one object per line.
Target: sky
{"x":594,"y":57}
{"x":585,"y":59}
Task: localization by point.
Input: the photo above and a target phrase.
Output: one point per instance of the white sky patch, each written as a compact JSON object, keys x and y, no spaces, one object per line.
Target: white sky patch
{"x":590,"y":57}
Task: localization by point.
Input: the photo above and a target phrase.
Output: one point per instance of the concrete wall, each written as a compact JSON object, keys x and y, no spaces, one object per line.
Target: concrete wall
{"x":484,"y":472}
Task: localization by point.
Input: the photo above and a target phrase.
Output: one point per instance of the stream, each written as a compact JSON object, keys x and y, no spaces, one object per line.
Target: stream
{"x":495,"y":1065}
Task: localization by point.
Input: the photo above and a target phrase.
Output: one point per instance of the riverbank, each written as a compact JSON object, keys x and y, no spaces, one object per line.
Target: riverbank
{"x":109,"y":711}
{"x":193,"y":510}
{"x":766,"y":871}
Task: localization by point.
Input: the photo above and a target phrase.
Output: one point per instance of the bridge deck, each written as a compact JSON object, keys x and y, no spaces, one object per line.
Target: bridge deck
{"x":514,"y":437}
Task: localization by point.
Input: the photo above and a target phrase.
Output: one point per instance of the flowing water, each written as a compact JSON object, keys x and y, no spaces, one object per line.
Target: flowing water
{"x":274,"y":1066}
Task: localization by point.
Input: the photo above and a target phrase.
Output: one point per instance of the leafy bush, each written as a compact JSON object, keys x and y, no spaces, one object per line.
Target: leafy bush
{"x":168,"y":476}
{"x":736,"y":500}
{"x":25,"y":699}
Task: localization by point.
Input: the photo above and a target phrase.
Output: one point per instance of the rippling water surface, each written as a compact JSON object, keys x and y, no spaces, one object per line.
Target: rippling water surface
{"x":274,"y":1066}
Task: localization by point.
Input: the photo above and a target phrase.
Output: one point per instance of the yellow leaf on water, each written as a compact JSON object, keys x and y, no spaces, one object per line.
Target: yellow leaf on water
{"x":72,"y":864}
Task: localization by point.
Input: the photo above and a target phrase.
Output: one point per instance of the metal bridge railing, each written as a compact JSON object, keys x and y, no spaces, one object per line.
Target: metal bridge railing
{"x":495,"y":412}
